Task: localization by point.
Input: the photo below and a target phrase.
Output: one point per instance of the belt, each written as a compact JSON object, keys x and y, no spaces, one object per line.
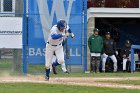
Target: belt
{"x":54,"y":45}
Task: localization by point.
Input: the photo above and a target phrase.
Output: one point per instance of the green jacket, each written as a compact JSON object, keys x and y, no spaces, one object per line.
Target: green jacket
{"x":95,"y":44}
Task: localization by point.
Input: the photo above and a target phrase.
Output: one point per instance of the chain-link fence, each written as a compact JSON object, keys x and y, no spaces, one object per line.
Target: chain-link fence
{"x":11,"y":13}
{"x":42,"y":15}
{"x":37,"y":26}
{"x":10,"y":61}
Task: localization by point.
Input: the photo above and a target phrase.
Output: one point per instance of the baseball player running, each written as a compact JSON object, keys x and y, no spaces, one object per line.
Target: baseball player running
{"x":54,"y":45}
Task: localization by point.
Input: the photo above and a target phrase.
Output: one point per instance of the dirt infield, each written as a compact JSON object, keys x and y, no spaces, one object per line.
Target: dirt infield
{"x":81,"y":81}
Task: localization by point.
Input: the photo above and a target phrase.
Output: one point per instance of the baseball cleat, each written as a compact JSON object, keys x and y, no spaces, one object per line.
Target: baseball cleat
{"x":54,"y":70}
{"x":47,"y":78}
{"x":66,"y":72}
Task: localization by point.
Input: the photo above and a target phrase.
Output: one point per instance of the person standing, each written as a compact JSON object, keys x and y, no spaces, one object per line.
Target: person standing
{"x":109,"y":50}
{"x":95,"y":44}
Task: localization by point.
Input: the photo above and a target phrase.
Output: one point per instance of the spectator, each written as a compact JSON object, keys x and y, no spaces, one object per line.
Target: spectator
{"x":109,"y":50}
{"x":125,"y":54}
{"x":95,"y":44}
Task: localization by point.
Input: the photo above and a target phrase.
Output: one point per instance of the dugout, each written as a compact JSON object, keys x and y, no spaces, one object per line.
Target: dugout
{"x":121,"y":29}
{"x":122,"y":23}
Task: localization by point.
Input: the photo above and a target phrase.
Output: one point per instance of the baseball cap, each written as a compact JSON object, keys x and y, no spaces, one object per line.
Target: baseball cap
{"x":127,"y":42}
{"x":107,"y":33}
{"x":95,"y":30}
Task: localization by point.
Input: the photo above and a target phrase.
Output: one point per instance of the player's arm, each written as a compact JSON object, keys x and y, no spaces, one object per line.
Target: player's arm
{"x":114,"y":46}
{"x":70,"y":32}
{"x":89,"y":43}
{"x":54,"y":34}
{"x":58,"y":36}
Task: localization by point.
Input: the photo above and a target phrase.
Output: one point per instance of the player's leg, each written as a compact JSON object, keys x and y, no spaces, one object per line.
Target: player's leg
{"x":55,"y":63}
{"x":93,"y":63}
{"x":97,"y":61}
{"x":63,"y":66}
{"x":60,"y":55}
{"x":113,"y":58}
{"x":104,"y":57}
{"x":54,"y":60}
{"x":91,"y":66}
{"x":128,"y":65}
{"x":48,"y":60}
{"x":124,"y":63}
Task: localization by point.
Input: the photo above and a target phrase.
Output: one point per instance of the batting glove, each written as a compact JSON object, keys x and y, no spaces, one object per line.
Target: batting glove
{"x":116,"y":52}
{"x":65,"y":34}
{"x":72,"y":35}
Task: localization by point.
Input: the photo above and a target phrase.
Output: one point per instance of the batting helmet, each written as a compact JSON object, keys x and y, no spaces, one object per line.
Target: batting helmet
{"x":61,"y":24}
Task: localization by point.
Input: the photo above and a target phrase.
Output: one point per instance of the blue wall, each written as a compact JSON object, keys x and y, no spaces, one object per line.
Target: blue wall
{"x":43,"y":14}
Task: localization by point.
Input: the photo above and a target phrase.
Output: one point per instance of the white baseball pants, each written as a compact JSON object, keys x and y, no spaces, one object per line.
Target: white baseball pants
{"x":50,"y":52}
{"x":113,"y":58}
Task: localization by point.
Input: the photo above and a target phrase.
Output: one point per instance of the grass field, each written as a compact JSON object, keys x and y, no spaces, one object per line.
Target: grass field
{"x":5,"y":64}
{"x":6,"y":67}
{"x":132,"y":82}
{"x":118,"y":74}
{"x":48,"y":88}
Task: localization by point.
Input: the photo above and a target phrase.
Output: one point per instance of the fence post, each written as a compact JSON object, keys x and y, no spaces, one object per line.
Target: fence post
{"x":133,"y":47}
{"x":16,"y":59}
{"x":24,"y":39}
{"x":132,"y":59}
{"x":85,"y":34}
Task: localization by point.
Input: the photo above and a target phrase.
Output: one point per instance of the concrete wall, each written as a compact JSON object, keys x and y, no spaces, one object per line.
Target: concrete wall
{"x":91,"y":26}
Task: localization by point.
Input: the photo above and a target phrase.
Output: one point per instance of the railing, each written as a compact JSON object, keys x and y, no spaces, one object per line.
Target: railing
{"x":133,"y":47}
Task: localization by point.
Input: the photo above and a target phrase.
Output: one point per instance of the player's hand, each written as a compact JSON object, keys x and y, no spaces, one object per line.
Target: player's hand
{"x":116,"y":52}
{"x":72,"y":35}
{"x":124,"y":56}
{"x":104,"y":55}
{"x":65,"y":34}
